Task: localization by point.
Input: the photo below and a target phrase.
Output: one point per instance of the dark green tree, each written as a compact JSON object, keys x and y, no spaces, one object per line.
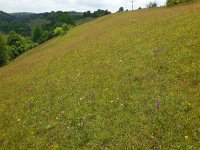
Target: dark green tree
{"x":175,"y":2}
{"x":152,"y":4}
{"x":58,"y":31}
{"x":3,"y":51}
{"x":100,"y":13}
{"x":37,"y":35}
{"x":87,"y":14}
{"x":121,"y":9}
{"x":16,"y":44}
{"x":13,"y":38}
{"x":65,"y":27}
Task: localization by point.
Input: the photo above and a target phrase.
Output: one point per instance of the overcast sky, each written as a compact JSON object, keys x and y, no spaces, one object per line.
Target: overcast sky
{"x":69,"y":5}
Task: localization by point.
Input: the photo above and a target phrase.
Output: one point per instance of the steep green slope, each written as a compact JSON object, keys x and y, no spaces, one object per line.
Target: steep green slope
{"x":4,"y":17}
{"x":97,"y":86}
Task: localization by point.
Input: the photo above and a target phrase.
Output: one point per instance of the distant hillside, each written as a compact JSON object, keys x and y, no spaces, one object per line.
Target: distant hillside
{"x":24,"y":22}
{"x":22,"y":16}
{"x":129,"y":80}
{"x":38,"y":23}
{"x":5,"y":17}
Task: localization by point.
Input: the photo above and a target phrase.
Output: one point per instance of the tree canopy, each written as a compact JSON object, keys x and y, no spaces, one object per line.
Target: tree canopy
{"x":3,"y":52}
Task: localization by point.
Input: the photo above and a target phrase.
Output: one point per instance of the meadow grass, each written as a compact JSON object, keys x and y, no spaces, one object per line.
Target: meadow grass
{"x":124,"y":81}
{"x":84,"y":20}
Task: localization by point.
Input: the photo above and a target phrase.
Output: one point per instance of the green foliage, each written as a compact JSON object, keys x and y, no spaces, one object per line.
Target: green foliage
{"x":13,"y":38}
{"x":5,"y":17}
{"x":66,"y":27}
{"x":95,"y":14}
{"x":29,"y":44}
{"x":58,"y":31}
{"x":100,"y":13}
{"x":121,"y":9}
{"x":38,"y":23}
{"x":26,"y":23}
{"x":152,"y":4}
{"x":61,"y":30}
{"x":44,"y":26}
{"x":3,"y":51}
{"x":21,"y":16}
{"x":87,"y":14}
{"x":37,"y":35}
{"x":18,"y":44}
{"x":47,"y":35}
{"x":19,"y":28}
{"x":64,"y":18}
{"x":175,"y":2}
{"x":9,"y":23}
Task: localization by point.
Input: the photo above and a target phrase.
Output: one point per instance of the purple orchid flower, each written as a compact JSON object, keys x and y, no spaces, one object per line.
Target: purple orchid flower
{"x":158,"y":104}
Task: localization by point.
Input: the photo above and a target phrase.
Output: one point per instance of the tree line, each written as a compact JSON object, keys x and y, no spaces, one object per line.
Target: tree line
{"x":20,"y":37}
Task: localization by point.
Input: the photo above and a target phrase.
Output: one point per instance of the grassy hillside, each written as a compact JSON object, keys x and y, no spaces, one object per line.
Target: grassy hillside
{"x":84,"y":20}
{"x":97,"y":86}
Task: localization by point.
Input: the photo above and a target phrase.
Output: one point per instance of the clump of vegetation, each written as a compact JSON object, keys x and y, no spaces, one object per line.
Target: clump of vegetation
{"x":121,"y":9}
{"x":37,"y":35}
{"x":18,"y":44}
{"x":152,"y":4}
{"x":175,"y":2}
{"x":58,"y":31}
{"x":61,"y":30}
{"x":29,"y":29}
{"x":3,"y":51}
{"x":100,"y":13}
{"x":15,"y":46}
{"x":96,"y":14}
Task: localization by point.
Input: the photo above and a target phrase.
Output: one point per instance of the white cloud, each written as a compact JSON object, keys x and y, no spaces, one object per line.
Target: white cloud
{"x":68,"y":5}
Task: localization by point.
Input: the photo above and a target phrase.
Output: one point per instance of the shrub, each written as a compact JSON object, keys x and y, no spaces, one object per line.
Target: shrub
{"x":37,"y":35}
{"x":29,"y":44}
{"x":17,"y":49}
{"x":87,"y":14}
{"x":152,"y":5}
{"x":175,"y":2}
{"x":121,"y":9}
{"x":18,"y":44}
{"x":65,"y":27}
{"x":13,"y":37}
{"x":3,"y":51}
{"x":100,"y":13}
{"x":58,"y":31}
